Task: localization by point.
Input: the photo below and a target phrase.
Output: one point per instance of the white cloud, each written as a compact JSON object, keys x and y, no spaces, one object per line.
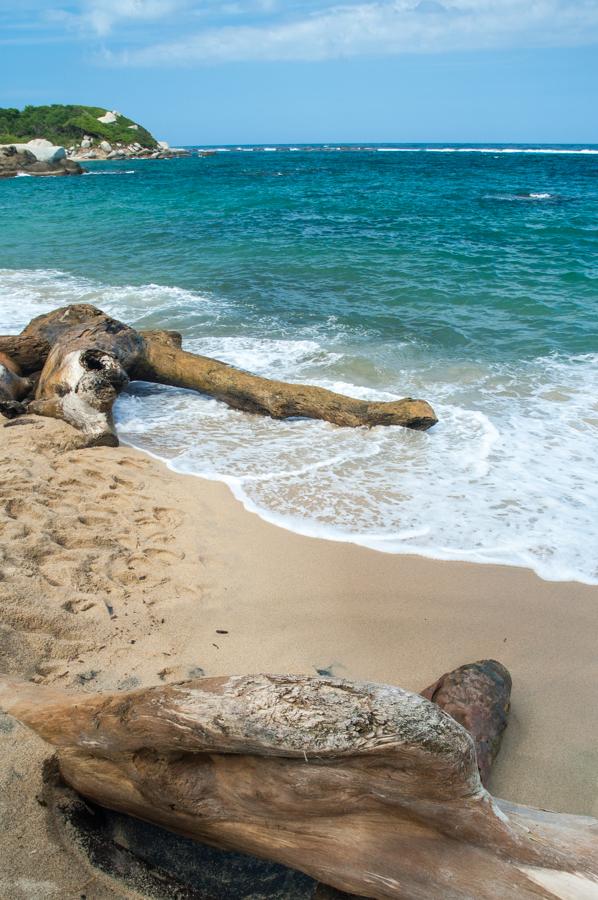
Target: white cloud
{"x":192,"y":32}
{"x":382,"y":28}
{"x":101,"y":16}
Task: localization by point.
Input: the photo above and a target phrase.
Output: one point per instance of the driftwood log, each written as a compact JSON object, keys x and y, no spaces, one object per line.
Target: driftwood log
{"x":84,"y":358}
{"x":478,"y":696}
{"x":366,"y":787}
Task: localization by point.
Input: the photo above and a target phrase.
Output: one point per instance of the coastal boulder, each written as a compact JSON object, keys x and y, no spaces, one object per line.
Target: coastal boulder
{"x":108,"y":118}
{"x":106,"y":147}
{"x":44,"y":151}
{"x":13,"y":161}
{"x":43,"y":168}
{"x":71,"y":167}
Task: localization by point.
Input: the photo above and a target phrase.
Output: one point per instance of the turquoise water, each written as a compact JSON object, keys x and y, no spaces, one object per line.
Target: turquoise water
{"x":469,"y":278}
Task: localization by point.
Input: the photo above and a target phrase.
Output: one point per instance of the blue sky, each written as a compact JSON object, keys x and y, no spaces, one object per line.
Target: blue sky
{"x":198,"y":71}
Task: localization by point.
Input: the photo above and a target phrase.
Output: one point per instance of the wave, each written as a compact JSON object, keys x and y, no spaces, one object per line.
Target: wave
{"x":25,"y":293}
{"x":532,"y":196}
{"x":507,"y":476}
{"x":328,"y":148}
{"x":544,"y":150}
{"x":121,"y":172}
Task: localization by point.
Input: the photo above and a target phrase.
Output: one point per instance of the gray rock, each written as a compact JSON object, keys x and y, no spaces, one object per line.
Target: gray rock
{"x":14,"y":162}
{"x":44,"y":151}
{"x":108,"y":118}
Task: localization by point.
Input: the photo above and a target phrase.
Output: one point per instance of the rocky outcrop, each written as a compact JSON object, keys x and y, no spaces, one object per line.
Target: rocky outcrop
{"x":44,"y":151}
{"x":109,"y":117}
{"x":21,"y":160}
{"x":86,"y":150}
{"x":71,"y":125}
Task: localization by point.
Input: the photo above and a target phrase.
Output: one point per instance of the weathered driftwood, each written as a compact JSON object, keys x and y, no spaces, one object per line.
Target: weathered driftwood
{"x":278,"y":399}
{"x":366,"y":787}
{"x":86,"y":357}
{"x":154,"y":863}
{"x":478,"y":696}
{"x":12,"y":386}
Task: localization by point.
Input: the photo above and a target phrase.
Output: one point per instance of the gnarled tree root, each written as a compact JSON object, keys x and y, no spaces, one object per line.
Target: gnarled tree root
{"x":84,"y":358}
{"x":366,"y":787}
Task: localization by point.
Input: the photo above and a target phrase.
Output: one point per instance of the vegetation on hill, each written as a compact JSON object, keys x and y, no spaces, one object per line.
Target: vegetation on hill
{"x":67,"y":125}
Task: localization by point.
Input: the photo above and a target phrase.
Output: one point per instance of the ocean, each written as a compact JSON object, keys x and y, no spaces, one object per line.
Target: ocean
{"x":467,"y":276}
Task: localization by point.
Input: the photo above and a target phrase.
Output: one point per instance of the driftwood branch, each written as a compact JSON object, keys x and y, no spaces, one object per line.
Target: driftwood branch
{"x":85,"y":358}
{"x":366,"y":787}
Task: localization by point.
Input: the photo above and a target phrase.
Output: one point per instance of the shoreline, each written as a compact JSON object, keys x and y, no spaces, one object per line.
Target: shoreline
{"x":310,"y":528}
{"x":119,"y":572}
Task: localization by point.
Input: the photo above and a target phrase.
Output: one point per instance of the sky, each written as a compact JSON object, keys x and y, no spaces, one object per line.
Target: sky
{"x":267,"y":71}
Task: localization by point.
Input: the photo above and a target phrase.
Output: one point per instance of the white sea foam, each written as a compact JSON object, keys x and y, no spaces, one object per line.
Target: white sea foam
{"x":507,"y":476}
{"x":566,"y":151}
{"x":29,"y":292}
{"x":540,"y":195}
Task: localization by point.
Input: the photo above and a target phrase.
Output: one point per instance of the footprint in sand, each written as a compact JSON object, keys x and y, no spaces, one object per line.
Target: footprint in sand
{"x":91,"y":521}
{"x":167,"y":557}
{"x":138,"y":464}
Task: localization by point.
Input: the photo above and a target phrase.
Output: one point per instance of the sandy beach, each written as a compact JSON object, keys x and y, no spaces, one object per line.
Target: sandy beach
{"x":116,"y":573}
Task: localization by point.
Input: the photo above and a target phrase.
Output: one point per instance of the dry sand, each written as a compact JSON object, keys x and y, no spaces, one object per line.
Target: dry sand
{"x":114,"y":573}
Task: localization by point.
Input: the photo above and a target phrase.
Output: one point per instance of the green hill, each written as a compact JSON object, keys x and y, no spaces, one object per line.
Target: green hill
{"x":66,"y":125}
